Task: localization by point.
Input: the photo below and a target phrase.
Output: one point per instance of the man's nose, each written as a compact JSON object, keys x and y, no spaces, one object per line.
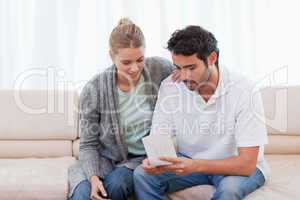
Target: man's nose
{"x":184,"y":74}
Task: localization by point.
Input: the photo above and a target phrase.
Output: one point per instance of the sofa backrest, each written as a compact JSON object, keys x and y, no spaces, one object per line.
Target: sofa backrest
{"x":282,"y":119}
{"x":36,"y":123}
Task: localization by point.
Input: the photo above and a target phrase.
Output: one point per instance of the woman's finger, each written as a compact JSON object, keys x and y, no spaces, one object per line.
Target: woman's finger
{"x":102,"y":190}
{"x":95,"y":196}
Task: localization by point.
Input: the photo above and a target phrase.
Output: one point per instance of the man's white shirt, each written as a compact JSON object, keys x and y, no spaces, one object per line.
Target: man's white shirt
{"x":233,"y":117}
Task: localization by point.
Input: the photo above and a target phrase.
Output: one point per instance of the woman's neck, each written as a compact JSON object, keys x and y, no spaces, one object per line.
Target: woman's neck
{"x":126,"y":83}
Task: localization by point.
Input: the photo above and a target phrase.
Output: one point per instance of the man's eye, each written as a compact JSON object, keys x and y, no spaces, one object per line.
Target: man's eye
{"x":126,"y":63}
{"x":139,"y":61}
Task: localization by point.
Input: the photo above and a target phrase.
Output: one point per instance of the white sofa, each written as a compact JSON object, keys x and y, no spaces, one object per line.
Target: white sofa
{"x":39,"y":141}
{"x":37,"y":130}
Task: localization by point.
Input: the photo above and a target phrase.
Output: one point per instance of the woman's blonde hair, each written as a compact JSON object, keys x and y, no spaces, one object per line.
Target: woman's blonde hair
{"x":126,"y":35}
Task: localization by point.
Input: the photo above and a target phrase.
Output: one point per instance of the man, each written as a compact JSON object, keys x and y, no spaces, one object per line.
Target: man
{"x":217,"y":119}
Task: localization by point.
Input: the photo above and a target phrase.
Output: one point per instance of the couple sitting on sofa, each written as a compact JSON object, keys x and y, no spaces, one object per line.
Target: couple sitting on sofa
{"x":215,"y":115}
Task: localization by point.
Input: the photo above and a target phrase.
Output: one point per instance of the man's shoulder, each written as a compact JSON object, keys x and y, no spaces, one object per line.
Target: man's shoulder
{"x":238,"y":82}
{"x":169,"y":83}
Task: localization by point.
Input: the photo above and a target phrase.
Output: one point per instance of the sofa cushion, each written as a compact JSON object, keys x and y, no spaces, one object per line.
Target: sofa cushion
{"x":35,"y":148}
{"x":76,"y":148}
{"x":280,"y":104}
{"x":34,"y":179}
{"x":38,"y":114}
{"x":203,"y":192}
{"x":283,"y":144}
{"x":283,"y":183}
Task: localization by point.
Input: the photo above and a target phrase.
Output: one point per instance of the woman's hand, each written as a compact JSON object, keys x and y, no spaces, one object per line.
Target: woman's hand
{"x":175,"y":75}
{"x":97,"y":189}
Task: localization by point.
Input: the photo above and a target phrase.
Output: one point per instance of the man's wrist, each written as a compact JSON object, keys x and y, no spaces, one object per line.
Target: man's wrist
{"x":199,"y":166}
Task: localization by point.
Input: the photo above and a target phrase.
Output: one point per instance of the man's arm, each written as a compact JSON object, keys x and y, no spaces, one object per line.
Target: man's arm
{"x":242,"y":165}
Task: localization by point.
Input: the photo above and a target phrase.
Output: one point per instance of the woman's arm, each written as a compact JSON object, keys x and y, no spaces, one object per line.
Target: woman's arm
{"x":89,"y":118}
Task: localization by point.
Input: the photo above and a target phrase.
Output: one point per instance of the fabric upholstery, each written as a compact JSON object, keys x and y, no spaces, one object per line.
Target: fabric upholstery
{"x":34,"y":179}
{"x":282,"y":115}
{"x":38,"y":115}
{"x":35,"y":148}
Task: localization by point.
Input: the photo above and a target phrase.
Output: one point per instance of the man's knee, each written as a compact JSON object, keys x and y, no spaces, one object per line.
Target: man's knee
{"x":229,"y":190}
{"x":82,"y":191}
{"x":139,"y":175}
{"x":143,"y":180}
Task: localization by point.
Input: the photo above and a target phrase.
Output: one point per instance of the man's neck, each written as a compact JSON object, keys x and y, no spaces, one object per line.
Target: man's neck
{"x":208,"y":89}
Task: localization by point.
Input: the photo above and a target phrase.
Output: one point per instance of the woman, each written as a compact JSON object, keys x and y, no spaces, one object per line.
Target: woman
{"x":115,"y":114}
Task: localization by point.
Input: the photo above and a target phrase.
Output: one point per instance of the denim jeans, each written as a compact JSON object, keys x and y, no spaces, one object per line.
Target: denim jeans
{"x":118,"y":185}
{"x":154,"y":187}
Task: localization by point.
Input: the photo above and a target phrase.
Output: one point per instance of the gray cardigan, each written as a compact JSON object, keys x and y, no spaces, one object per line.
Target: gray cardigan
{"x":101,"y":146}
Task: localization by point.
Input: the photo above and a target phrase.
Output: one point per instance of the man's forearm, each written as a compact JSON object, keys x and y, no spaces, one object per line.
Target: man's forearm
{"x":235,"y":166}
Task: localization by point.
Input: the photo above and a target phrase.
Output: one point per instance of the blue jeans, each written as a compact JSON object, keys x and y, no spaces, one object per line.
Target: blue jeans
{"x":227,"y":187}
{"x":118,"y":185}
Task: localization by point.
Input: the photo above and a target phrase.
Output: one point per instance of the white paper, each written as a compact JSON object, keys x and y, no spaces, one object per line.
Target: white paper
{"x":158,"y":145}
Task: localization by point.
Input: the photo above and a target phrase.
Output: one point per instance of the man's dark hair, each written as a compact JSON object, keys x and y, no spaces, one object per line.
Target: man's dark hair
{"x":191,"y":40}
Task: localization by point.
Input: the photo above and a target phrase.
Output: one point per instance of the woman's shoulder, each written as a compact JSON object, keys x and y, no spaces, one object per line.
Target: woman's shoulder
{"x":159,"y":67}
{"x":158,"y":62}
{"x":100,"y":77}
{"x":97,"y":82}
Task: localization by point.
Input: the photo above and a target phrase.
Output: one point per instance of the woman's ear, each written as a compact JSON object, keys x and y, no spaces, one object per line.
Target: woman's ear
{"x":111,"y":54}
{"x":212,"y":58}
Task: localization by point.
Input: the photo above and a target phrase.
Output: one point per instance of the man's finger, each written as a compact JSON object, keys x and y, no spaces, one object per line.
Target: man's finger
{"x":179,"y":172}
{"x":172,"y":168}
{"x":146,"y":165}
{"x":170,"y":159}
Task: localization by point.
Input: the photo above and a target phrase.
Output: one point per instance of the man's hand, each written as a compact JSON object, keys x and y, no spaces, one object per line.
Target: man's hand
{"x":149,"y":169}
{"x":97,"y":189}
{"x":180,"y":166}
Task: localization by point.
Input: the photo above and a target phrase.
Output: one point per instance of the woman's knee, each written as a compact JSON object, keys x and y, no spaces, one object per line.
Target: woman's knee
{"x":82,"y":191}
{"x":119,"y":184}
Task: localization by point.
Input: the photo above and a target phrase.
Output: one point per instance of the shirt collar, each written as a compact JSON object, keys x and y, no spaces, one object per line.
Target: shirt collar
{"x":222,"y":87}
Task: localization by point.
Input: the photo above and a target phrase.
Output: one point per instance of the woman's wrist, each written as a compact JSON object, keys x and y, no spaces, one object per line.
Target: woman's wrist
{"x":94,"y":178}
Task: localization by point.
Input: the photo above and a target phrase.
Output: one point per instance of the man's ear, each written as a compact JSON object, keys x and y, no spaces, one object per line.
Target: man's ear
{"x":212,"y":58}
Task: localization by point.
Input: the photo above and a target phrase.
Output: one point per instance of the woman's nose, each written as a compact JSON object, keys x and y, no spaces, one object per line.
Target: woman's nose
{"x":134,"y":68}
